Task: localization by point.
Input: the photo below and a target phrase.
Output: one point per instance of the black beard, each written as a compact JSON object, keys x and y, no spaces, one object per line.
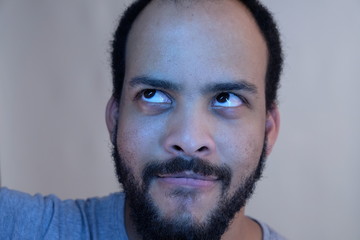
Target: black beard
{"x":145,"y":214}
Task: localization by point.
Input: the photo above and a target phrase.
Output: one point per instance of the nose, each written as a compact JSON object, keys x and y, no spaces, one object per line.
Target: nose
{"x":189,"y":134}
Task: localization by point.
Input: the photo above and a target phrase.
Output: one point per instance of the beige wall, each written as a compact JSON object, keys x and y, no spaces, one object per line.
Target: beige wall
{"x":55,"y":80}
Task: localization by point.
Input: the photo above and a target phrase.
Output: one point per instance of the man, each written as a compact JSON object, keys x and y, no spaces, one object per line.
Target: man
{"x":192,"y":117}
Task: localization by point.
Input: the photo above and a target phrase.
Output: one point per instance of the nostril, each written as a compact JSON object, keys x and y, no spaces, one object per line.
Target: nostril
{"x":177,"y":148}
{"x":202,"y":149}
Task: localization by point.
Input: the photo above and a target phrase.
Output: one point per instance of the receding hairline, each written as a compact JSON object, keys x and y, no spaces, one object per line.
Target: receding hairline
{"x":260,"y":13}
{"x":192,"y":3}
{"x":186,"y":4}
{"x":242,"y":23}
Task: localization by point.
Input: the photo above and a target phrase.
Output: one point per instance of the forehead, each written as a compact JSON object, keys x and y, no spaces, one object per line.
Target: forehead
{"x":202,"y":40}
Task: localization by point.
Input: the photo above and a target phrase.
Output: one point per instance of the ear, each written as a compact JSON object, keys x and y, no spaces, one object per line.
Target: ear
{"x":111,"y":117}
{"x":272,"y":127}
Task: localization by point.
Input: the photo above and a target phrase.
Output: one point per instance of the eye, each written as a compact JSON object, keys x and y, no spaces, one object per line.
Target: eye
{"x":154,"y":96}
{"x":226,"y":99}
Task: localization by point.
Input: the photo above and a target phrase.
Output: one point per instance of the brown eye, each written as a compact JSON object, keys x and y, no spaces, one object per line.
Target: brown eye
{"x":155,"y":96}
{"x":149,"y":93}
{"x":226,"y":99}
{"x":222,"y":97}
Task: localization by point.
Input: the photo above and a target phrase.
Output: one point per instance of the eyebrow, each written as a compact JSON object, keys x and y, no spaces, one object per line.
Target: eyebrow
{"x":231,"y":86}
{"x":209,"y":88}
{"x":154,"y":82}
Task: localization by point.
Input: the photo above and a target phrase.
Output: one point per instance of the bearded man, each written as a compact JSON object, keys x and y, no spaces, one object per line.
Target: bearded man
{"x":192,"y":117}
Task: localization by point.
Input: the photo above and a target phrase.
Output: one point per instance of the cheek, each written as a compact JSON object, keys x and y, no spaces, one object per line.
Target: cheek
{"x":126,"y":144}
{"x":136,"y":142}
{"x":241,"y":149}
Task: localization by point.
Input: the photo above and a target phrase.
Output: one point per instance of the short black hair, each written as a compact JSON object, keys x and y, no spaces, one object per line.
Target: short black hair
{"x":263,"y":18}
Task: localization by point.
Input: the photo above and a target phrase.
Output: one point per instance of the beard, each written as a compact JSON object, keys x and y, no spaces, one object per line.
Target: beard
{"x":149,"y":222}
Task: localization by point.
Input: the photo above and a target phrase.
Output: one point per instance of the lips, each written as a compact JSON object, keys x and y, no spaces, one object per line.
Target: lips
{"x":187,"y":178}
{"x":188,"y":174}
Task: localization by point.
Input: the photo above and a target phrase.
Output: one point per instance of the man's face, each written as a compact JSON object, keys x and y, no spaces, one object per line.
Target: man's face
{"x":194,"y":96}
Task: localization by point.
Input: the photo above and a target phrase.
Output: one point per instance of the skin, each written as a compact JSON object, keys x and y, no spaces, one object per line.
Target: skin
{"x":194,"y":46}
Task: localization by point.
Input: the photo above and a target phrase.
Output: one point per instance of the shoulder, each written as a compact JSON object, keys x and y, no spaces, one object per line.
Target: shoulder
{"x":24,"y":215}
{"x":105,"y":215}
{"x":53,"y":217}
{"x":15,"y":201}
{"x":268,"y":232}
{"x":110,"y":208}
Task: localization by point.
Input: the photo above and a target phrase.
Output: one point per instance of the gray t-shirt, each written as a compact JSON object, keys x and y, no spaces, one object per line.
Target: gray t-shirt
{"x":23,"y":216}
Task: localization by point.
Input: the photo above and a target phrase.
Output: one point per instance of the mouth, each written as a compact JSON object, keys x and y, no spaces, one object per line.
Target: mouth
{"x":187,"y":179}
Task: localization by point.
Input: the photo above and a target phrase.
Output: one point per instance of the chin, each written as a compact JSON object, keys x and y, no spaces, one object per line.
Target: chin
{"x":183,"y":203}
{"x":184,"y":213}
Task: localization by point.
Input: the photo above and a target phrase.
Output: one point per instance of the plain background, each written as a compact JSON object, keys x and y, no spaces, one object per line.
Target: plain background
{"x":55,"y":82}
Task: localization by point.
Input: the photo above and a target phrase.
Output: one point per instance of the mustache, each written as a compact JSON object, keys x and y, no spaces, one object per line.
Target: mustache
{"x":181,"y":164}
